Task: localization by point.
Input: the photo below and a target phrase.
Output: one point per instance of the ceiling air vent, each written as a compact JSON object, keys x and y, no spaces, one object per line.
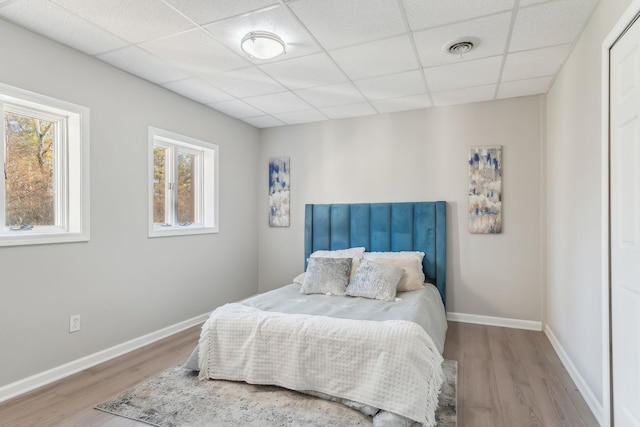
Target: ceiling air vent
{"x":461,"y":46}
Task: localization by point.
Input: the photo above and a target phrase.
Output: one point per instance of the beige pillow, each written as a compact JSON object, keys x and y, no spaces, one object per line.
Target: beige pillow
{"x":413,"y":277}
{"x":299,"y":279}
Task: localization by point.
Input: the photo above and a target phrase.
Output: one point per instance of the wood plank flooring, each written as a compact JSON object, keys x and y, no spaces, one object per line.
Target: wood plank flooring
{"x":506,"y":378}
{"x":510,"y":377}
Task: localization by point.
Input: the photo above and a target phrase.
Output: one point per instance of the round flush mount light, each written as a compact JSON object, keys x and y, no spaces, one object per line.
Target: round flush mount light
{"x":461,"y":46}
{"x":263,"y":45}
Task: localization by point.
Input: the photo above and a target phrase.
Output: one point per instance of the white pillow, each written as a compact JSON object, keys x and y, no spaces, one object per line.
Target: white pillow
{"x":354,"y":253}
{"x":299,"y":279}
{"x":395,"y":255}
{"x":413,"y":277}
{"x":339,"y":253}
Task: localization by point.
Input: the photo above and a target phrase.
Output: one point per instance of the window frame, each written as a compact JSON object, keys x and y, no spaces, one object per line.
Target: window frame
{"x":206,"y":188}
{"x":71,"y":168}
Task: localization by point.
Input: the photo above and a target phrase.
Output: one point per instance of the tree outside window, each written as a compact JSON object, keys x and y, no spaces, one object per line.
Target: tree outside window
{"x":29,"y":168}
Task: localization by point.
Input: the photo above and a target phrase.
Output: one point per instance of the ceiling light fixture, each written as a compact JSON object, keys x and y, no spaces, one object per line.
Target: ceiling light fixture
{"x":263,"y":45}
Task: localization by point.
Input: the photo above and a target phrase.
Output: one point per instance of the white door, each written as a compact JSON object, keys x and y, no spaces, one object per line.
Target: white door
{"x":625,"y":226}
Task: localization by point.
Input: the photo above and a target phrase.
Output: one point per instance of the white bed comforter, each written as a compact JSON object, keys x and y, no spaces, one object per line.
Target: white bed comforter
{"x":392,"y":365}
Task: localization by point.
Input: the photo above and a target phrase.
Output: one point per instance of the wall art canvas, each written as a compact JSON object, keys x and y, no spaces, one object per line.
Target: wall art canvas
{"x":485,"y":190}
{"x":279,"y":192}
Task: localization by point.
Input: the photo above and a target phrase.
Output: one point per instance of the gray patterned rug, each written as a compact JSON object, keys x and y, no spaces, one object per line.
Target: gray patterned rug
{"x":176,"y":397}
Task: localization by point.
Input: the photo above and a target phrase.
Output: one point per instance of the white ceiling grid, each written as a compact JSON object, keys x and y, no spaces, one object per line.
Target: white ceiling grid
{"x":344,"y":58}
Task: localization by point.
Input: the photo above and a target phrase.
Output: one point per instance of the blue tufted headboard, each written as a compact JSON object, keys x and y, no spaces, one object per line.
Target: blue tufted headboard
{"x":413,"y":226}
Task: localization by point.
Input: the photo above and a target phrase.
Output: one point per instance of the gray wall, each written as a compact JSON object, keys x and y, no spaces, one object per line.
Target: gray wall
{"x":421,"y":155}
{"x":123,"y":284}
{"x":574,"y":179}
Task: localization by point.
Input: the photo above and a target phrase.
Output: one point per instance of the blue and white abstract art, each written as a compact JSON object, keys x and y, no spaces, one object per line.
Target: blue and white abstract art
{"x":279,"y":192}
{"x":485,"y":190}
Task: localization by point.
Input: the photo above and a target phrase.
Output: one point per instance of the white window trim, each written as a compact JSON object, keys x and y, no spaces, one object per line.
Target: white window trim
{"x":208,"y":192}
{"x":73,"y":209}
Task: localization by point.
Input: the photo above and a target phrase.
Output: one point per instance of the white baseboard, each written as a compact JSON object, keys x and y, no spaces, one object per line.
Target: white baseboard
{"x":495,"y":321}
{"x":43,"y":378}
{"x":586,"y":392}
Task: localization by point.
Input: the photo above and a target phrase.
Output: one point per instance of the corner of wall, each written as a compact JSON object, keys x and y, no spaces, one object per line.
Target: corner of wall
{"x":543,"y":210}
{"x":590,"y":398}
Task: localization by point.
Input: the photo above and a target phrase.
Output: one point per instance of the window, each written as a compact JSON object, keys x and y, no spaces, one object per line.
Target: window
{"x":183,"y":188}
{"x":44,"y":187}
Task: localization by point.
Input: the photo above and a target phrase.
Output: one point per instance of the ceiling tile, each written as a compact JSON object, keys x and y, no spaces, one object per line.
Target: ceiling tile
{"x":143,"y":20}
{"x":355,"y":57}
{"x":352,"y":110}
{"x":377,"y":58}
{"x":328,"y":96}
{"x":524,"y":87}
{"x":277,"y":103}
{"x":392,"y":86}
{"x":490,"y":36}
{"x":263,"y":121}
{"x":530,"y":2}
{"x":245,"y":82}
{"x":275,"y":20}
{"x":339,"y":23}
{"x":563,"y":23}
{"x":196,"y":52}
{"x":535,"y":63}
{"x":237,"y":109}
{"x":464,"y":96}
{"x":304,"y":72}
{"x":464,"y":74}
{"x":198,"y":90}
{"x":140,"y":63}
{"x":432,"y":13}
{"x":414,"y":102}
{"x":297,"y":117}
{"x":206,"y":11}
{"x":60,"y":25}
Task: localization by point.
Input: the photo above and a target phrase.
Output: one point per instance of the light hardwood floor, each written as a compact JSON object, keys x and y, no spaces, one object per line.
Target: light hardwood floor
{"x":512,"y":378}
{"x":506,"y":378}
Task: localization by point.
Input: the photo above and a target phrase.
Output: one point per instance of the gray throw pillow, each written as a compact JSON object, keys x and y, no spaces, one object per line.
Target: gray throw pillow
{"x":326,"y":276}
{"x":375,"y":280}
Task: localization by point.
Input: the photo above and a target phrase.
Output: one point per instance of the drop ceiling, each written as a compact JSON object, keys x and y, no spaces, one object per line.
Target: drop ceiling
{"x":345,"y":58}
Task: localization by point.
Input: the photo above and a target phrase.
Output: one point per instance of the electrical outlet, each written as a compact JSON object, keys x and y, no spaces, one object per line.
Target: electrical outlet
{"x":74,"y":323}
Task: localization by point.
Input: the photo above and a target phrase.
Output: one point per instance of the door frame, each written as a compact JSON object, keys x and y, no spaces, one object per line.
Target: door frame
{"x":618,"y":30}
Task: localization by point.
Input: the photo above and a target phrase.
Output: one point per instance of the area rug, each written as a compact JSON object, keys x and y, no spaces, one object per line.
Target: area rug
{"x":176,"y":397}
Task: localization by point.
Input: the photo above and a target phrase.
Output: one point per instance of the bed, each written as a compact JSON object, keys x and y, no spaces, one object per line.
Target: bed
{"x":380,"y":355}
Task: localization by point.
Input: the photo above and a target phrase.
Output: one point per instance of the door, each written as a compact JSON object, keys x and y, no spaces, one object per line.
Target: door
{"x":625,"y":226}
